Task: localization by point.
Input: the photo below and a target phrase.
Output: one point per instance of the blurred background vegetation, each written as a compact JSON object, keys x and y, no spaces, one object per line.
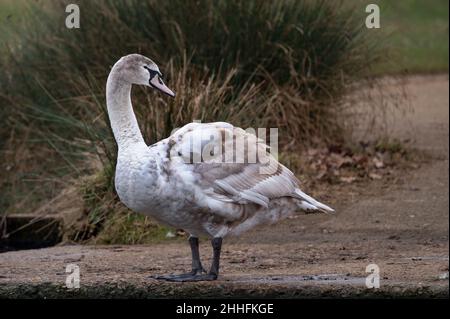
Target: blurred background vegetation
{"x":416,"y":35}
{"x":285,"y":63}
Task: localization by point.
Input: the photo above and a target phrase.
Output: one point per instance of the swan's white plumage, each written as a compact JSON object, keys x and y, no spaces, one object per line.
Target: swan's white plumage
{"x":175,"y":182}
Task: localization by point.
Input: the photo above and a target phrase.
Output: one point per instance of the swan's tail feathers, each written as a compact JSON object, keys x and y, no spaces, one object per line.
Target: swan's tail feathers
{"x":309,"y":203}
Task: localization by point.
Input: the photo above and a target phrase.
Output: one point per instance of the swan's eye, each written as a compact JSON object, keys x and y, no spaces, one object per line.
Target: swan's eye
{"x":153,"y":73}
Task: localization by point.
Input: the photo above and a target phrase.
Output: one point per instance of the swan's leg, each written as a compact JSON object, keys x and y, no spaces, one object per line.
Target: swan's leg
{"x":197,"y":268}
{"x":217,"y":248}
{"x":198,"y":276}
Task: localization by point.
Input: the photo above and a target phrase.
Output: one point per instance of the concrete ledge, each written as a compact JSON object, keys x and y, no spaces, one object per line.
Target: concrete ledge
{"x":216,"y":290}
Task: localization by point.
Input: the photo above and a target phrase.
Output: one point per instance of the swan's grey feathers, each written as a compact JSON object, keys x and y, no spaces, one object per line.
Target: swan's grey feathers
{"x":241,"y":183}
{"x":242,"y":180}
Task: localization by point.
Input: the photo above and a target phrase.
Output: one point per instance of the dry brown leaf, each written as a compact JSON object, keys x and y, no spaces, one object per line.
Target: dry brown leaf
{"x":377,"y":162}
{"x":347,"y":179}
{"x":375,"y":176}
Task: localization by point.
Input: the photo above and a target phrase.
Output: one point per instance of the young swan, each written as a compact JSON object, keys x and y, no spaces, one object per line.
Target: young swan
{"x":184,"y":182}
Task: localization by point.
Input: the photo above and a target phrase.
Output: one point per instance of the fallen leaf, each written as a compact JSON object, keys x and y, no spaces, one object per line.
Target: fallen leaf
{"x":347,"y":179}
{"x":377,"y":162}
{"x":321,"y":174}
{"x":375,"y":176}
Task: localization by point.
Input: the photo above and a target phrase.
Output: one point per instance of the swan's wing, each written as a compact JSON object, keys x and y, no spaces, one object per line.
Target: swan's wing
{"x":232,"y":165}
{"x":245,"y":184}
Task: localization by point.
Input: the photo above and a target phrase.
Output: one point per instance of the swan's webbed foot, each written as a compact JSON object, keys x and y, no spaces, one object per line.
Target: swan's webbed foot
{"x":180,"y":277}
{"x":191,"y":276}
{"x":198,"y":273}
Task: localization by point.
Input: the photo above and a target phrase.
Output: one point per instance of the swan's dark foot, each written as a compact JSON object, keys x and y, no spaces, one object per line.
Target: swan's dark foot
{"x":198,"y":273}
{"x":180,"y":277}
{"x":196,"y":277}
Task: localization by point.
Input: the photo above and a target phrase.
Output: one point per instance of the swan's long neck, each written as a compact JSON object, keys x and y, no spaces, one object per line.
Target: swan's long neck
{"x":121,"y":115}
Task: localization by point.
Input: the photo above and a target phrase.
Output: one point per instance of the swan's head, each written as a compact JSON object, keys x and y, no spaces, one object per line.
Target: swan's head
{"x":140,"y":70}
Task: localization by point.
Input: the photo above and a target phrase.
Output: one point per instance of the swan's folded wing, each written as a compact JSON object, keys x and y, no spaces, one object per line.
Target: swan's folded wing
{"x":252,"y":176}
{"x":249,"y":185}
{"x":233,"y":185}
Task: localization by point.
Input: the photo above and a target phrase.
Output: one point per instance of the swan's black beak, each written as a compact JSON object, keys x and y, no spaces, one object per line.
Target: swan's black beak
{"x":158,"y":83}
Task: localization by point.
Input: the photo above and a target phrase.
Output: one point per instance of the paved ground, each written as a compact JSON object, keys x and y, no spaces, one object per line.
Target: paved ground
{"x":401,"y":225}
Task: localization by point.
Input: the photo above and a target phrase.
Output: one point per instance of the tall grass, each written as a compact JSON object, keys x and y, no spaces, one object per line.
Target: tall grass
{"x":283,"y":63}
